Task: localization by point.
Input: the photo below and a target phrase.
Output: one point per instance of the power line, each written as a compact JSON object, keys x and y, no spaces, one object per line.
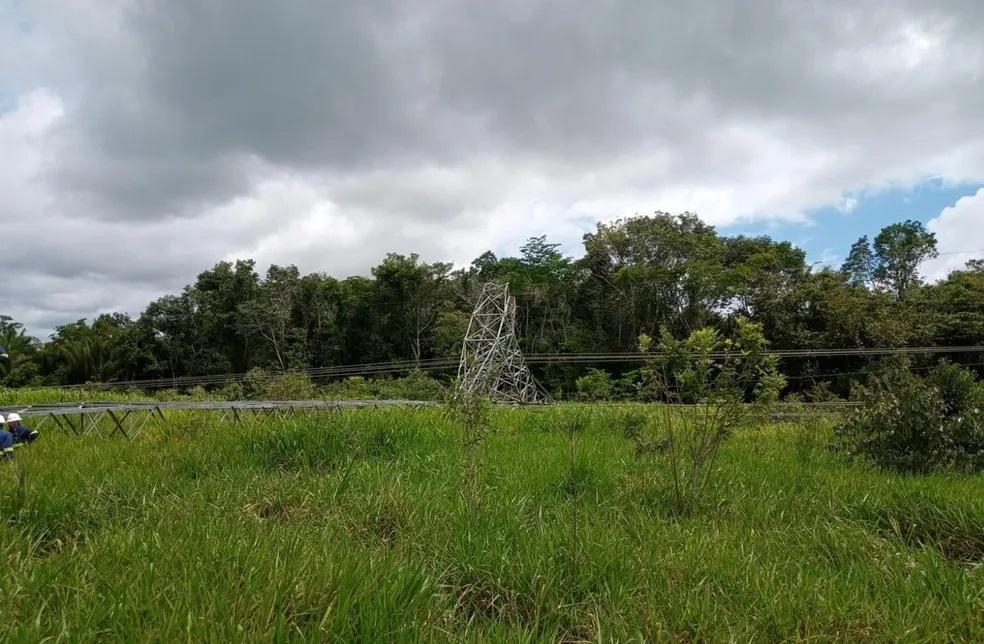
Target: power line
{"x":835,"y":374}
{"x":434,"y":364}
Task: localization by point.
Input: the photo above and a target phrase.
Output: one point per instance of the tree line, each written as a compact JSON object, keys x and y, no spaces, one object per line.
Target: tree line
{"x":640,"y":275}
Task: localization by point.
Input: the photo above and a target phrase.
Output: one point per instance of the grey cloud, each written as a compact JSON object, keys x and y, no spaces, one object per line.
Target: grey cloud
{"x":440,"y":126}
{"x":345,"y":87}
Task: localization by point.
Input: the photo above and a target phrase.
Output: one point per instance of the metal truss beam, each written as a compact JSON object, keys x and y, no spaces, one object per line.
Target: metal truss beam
{"x":129,"y":420}
{"x":491,"y":361}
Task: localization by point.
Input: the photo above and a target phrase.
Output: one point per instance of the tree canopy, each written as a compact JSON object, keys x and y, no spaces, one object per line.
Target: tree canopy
{"x":637,"y":276}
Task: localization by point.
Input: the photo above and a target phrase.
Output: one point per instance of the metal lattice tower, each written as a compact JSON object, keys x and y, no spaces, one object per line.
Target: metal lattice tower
{"x":491,"y":362}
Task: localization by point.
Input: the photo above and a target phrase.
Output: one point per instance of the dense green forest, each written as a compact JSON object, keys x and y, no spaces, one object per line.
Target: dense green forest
{"x":637,"y":275}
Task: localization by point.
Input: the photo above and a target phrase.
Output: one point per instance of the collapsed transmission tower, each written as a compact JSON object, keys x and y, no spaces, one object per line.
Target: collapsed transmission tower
{"x":491,"y":362}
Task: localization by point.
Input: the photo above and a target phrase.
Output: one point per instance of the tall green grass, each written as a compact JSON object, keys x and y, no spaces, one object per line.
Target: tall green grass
{"x":353,"y":526}
{"x":43,"y":395}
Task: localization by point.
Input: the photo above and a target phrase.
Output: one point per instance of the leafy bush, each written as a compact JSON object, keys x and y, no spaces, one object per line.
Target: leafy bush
{"x":820,"y":392}
{"x":198,"y":394}
{"x":632,"y":386}
{"x":417,"y":385}
{"x":472,"y":412}
{"x":727,"y":379}
{"x":910,"y":424}
{"x":254,"y":383}
{"x":352,"y":388}
{"x":231,"y":391}
{"x":290,"y":386}
{"x":596,"y":384}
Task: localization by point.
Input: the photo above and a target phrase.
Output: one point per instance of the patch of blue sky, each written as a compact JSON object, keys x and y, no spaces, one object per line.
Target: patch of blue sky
{"x":829,"y":232}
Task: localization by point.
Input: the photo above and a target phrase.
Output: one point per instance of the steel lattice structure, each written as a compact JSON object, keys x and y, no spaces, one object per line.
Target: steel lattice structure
{"x":491,"y":361}
{"x":131,"y":418}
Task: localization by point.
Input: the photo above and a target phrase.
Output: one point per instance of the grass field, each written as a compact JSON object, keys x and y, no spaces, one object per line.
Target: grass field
{"x":353,"y":527}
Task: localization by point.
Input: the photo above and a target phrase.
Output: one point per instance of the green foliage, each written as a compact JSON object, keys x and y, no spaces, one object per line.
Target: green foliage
{"x":638,"y":427}
{"x":231,"y":391}
{"x":659,"y":270}
{"x":707,"y":367}
{"x":270,"y":317}
{"x":893,"y":260}
{"x":351,"y":527}
{"x":596,"y":384}
{"x":913,"y":424}
{"x":859,"y":266}
{"x":198,"y":393}
{"x":954,"y":307}
{"x":290,"y":386}
{"x":285,"y":446}
{"x":255,"y":383}
{"x":471,"y":412}
{"x":353,"y":387}
{"x":727,"y":379}
{"x":409,"y":296}
{"x":24,"y":396}
{"x":20,"y":367}
{"x":899,"y":249}
{"x":449,"y":330}
{"x":416,"y":385}
{"x":632,"y":423}
{"x":638,"y":275}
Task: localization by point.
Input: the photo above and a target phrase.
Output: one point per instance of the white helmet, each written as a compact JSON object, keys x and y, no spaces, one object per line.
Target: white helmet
{"x":11,"y":418}
{"x":2,"y":421}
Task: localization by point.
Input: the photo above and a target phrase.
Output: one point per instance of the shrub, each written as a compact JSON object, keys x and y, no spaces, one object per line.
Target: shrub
{"x":820,"y":392}
{"x":472,"y":412}
{"x":725,"y":379}
{"x":353,"y":387}
{"x":198,"y":393}
{"x":634,"y":385}
{"x":290,"y":386}
{"x":596,"y":384}
{"x":909,"y":424}
{"x":231,"y":391}
{"x":254,"y":383}
{"x":416,"y":385}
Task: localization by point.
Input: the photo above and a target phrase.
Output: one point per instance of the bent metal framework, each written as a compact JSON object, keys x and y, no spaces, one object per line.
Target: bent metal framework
{"x":491,"y":361}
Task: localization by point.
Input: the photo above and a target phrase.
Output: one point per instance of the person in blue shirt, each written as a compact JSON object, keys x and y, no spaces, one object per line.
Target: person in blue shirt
{"x":6,"y":441}
{"x":21,"y":432}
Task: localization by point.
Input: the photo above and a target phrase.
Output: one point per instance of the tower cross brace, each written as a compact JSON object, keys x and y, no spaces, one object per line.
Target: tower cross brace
{"x":491,"y":361}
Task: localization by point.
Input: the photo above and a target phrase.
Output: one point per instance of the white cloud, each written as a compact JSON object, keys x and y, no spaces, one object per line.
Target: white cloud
{"x":145,"y":141}
{"x":830,"y":258}
{"x":959,"y":236}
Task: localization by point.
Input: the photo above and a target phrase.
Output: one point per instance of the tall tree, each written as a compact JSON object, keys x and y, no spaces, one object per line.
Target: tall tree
{"x":270,"y":316}
{"x":649,"y":272}
{"x":955,"y":306}
{"x":860,"y":264}
{"x":113,"y":347}
{"x":975,"y":266}
{"x":320,"y":311}
{"x":637,"y":275}
{"x":409,"y":295}
{"x":899,"y":249}
{"x":20,"y":367}
{"x":762,"y":278}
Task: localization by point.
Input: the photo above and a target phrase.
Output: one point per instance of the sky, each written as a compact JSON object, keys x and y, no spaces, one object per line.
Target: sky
{"x":142,"y":141}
